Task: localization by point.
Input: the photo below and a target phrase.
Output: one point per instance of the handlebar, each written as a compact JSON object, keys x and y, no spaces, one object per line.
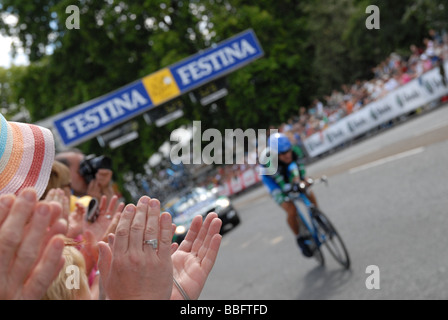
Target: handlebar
{"x":310,"y":182}
{"x":303,"y":186}
{"x":322,"y":179}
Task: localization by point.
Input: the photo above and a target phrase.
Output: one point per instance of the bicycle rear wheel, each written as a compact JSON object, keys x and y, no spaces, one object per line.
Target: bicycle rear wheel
{"x":330,"y":237}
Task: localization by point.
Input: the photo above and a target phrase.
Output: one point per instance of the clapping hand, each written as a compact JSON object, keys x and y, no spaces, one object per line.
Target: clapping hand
{"x":101,"y":186}
{"x":107,"y":221}
{"x":30,"y":248}
{"x":196,"y":255}
{"x":132,"y":269}
{"x":58,"y":195}
{"x":107,"y":213}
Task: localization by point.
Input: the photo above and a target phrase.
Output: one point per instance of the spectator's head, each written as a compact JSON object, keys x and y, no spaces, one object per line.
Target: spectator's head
{"x":90,"y":175}
{"x":26,"y":156}
{"x":432,"y":33}
{"x":59,"y":178}
{"x":72,"y":159}
{"x":77,"y":286}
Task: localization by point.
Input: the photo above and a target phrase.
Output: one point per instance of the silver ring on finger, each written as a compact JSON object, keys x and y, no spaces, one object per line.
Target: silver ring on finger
{"x":153,"y":242}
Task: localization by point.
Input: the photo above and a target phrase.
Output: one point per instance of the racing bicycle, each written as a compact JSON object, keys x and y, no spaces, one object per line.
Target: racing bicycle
{"x":322,"y":231}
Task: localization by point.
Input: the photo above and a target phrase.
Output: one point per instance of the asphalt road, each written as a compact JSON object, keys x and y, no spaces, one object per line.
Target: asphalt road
{"x":387,"y":196}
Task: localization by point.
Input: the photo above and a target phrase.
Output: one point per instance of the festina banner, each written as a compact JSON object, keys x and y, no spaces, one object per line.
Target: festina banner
{"x":102,"y":114}
{"x":407,"y":98}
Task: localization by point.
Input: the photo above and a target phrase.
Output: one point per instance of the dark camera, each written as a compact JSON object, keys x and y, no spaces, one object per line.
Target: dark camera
{"x":90,"y":165}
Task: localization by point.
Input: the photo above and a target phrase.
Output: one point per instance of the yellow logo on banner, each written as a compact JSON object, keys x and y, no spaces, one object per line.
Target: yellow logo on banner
{"x":161,"y":86}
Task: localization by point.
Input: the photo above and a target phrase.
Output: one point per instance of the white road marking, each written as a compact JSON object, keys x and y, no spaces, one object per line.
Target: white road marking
{"x":245,"y":244}
{"x":276,"y":240}
{"x":387,"y":159}
{"x":225,"y":243}
{"x":252,"y":239}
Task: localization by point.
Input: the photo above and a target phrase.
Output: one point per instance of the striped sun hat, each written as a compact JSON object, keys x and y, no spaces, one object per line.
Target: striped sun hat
{"x":26,"y":156}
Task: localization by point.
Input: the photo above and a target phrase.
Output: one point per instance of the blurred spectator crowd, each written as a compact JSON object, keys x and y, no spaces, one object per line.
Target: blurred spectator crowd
{"x":391,"y":73}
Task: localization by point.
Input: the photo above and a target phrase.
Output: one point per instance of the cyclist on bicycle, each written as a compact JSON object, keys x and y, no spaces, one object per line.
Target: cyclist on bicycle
{"x":290,"y":172}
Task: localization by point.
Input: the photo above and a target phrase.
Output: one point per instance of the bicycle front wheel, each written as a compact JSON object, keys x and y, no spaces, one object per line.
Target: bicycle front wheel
{"x":319,"y":256}
{"x":330,"y":237}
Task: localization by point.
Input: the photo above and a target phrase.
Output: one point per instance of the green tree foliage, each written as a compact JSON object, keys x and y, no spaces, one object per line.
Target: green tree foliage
{"x":33,"y":26}
{"x":326,"y":21}
{"x":432,"y":13}
{"x":345,"y":50}
{"x":270,"y":90}
{"x":398,"y":30}
{"x":12,"y":105}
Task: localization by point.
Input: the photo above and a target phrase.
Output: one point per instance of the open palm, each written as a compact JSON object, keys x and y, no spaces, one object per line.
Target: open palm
{"x":106,"y":214}
{"x":196,"y":255}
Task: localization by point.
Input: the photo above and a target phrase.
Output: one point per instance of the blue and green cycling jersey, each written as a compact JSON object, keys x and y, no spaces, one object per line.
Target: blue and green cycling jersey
{"x":279,"y":183}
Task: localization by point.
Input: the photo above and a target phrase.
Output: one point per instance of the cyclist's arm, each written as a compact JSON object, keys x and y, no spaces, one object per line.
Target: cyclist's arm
{"x":295,"y":174}
{"x":300,"y":161}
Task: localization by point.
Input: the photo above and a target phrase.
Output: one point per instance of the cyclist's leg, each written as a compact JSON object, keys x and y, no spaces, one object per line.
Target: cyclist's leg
{"x":292,"y":218}
{"x":299,"y":230}
{"x":291,"y":212}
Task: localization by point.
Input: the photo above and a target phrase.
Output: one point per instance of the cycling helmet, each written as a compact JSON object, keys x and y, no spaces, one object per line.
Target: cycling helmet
{"x":279,"y":143}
